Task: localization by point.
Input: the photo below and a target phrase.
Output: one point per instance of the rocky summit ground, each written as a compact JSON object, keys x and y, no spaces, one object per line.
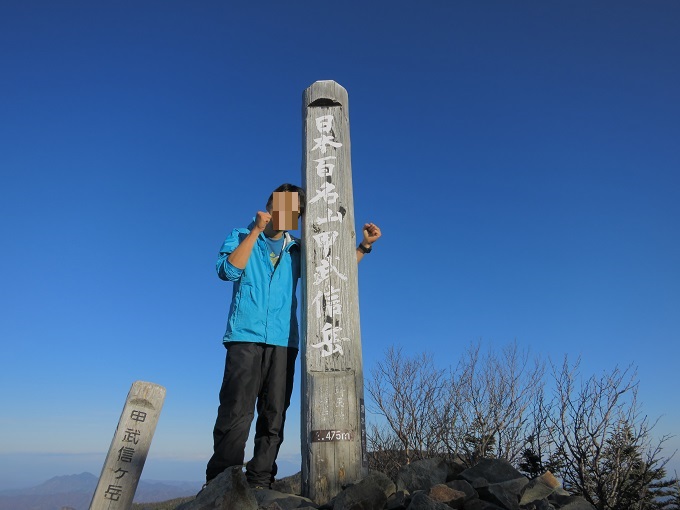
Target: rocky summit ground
{"x":432,"y":484}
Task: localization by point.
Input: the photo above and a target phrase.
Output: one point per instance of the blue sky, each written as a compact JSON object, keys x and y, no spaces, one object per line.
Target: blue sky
{"x":521,"y":158}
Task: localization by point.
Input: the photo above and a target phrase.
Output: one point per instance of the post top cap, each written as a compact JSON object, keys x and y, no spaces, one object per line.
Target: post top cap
{"x":325,"y":93}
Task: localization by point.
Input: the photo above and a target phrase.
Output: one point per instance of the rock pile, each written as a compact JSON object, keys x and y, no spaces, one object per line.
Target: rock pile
{"x":432,"y":484}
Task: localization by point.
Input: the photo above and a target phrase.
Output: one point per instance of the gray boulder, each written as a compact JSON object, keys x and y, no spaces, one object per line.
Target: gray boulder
{"x":540,"y":488}
{"x":574,"y":503}
{"x":497,"y":494}
{"x":289,"y":485}
{"x":266,"y":498}
{"x":456,"y":467}
{"x":463,"y":486}
{"x":398,"y":501}
{"x":445,"y":494}
{"x":541,"y":504}
{"x":271,"y":506}
{"x":422,"y":501}
{"x":504,"y":494}
{"x":371,"y":493}
{"x":478,"y":504}
{"x":490,"y":471}
{"x":228,"y":491}
{"x":515,"y":486}
{"x":422,"y":474}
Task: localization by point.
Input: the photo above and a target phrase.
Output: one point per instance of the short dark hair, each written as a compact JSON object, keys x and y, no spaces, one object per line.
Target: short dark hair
{"x":289,"y":187}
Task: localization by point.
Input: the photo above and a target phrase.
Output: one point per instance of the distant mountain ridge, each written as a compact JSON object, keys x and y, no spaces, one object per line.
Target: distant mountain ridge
{"x":75,"y":491}
{"x":84,"y":482}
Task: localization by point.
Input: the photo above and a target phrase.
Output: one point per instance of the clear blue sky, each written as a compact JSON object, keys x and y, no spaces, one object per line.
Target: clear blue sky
{"x":521,"y":158}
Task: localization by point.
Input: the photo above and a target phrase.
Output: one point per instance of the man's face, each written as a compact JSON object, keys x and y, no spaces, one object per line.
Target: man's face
{"x":285,"y":210}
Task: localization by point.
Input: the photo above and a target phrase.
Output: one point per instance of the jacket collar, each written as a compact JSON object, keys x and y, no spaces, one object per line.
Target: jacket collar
{"x":289,"y":240}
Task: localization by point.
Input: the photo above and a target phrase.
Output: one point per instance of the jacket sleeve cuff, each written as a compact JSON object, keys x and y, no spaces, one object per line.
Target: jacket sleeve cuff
{"x":233,"y":272}
{"x":228,"y":271}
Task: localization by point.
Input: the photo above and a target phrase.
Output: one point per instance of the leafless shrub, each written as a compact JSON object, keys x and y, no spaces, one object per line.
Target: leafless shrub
{"x":609,"y":457}
{"x":406,"y":392}
{"x":488,"y":403}
{"x":480,"y":409}
{"x":591,"y":432}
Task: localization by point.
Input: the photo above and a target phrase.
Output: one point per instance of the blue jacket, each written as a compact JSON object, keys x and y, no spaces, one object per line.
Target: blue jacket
{"x":263,"y":303}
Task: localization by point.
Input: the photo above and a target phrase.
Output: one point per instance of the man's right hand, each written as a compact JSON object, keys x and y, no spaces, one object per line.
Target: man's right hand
{"x":239,"y":257}
{"x":262,"y":219}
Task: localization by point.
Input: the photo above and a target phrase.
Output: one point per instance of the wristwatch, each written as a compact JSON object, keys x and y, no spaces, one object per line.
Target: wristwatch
{"x":364,"y":249}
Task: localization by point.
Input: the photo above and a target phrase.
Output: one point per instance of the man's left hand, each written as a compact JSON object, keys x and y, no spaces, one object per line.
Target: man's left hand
{"x":371,"y":234}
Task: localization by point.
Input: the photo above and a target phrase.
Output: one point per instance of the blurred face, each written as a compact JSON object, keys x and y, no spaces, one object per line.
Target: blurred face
{"x":285,"y":210}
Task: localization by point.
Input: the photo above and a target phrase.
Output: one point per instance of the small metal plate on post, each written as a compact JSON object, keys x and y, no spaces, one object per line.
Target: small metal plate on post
{"x":327,"y":436}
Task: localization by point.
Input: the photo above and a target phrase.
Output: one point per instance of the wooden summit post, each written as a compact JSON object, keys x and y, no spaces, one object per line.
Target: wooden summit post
{"x":129,"y":447}
{"x":333,"y":418}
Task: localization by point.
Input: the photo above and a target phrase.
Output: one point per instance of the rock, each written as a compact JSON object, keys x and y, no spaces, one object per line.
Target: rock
{"x":515,"y":486}
{"x":490,"y":485}
{"x":539,"y":488}
{"x":497,"y":494}
{"x":398,"y":501}
{"x":462,"y":485}
{"x":229,"y":490}
{"x":456,"y":467}
{"x":371,"y":493}
{"x":272,"y":506}
{"x":422,"y":501}
{"x":541,"y":504}
{"x":445,"y":494}
{"x":490,"y":471}
{"x":478,"y":504}
{"x":289,"y":485}
{"x":503,"y":494}
{"x":575,"y":503}
{"x":266,"y":497}
{"x":422,"y":474}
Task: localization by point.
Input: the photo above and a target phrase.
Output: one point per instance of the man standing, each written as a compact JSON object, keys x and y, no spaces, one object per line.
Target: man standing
{"x":262,"y":337}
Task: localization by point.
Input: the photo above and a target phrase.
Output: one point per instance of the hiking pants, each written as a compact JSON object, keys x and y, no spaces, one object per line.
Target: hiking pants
{"x":255,"y":375}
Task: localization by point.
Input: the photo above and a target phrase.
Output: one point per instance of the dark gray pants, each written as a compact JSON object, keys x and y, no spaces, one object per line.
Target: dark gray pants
{"x":255,"y":375}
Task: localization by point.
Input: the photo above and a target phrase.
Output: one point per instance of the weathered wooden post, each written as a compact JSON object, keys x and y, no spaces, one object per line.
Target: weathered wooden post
{"x":129,"y":448}
{"x":333,"y":418}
